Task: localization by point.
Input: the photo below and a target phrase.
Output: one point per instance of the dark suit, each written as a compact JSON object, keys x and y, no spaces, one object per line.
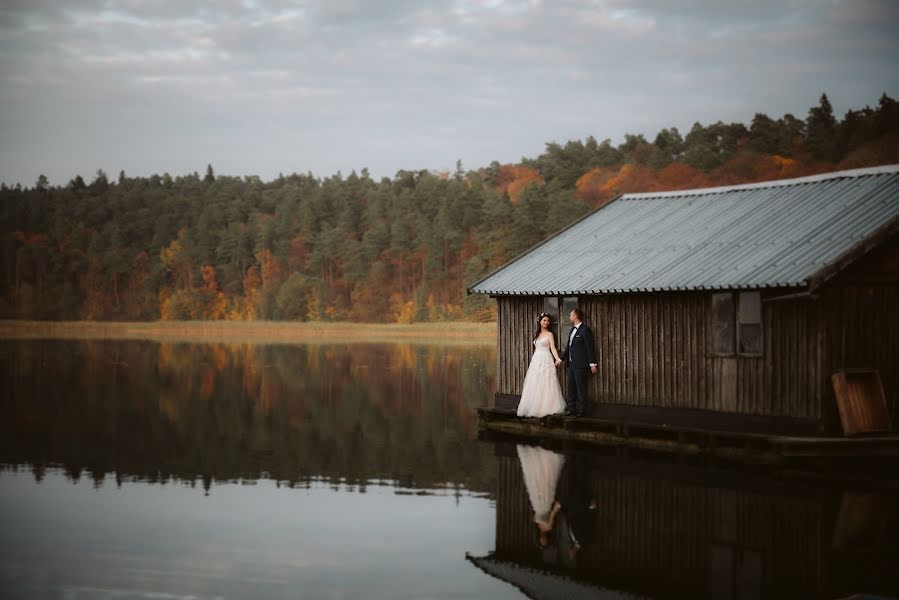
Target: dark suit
{"x":580,"y":354}
{"x":577,"y":519}
{"x":581,"y":518}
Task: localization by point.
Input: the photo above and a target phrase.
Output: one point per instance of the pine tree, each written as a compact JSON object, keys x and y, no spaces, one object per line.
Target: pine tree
{"x":821,"y":131}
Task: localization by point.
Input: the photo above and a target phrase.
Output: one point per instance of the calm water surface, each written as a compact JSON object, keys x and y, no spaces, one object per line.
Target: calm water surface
{"x":142,"y":469}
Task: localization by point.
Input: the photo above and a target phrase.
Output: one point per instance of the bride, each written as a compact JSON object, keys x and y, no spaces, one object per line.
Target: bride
{"x":541,"y":394}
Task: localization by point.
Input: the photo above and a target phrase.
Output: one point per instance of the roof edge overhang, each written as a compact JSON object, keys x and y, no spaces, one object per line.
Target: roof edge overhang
{"x":534,"y":247}
{"x":800,"y":285}
{"x":845,"y":174}
{"x":854,"y":253}
{"x":570,"y":587}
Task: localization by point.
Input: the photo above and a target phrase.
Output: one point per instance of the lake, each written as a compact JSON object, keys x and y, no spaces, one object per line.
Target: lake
{"x":137,"y":469}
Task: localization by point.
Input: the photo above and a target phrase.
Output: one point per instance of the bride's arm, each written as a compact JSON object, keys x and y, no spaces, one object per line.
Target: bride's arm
{"x":552,"y":347}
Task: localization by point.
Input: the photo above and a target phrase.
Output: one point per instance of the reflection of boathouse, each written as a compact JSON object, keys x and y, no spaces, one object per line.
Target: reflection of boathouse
{"x":722,"y":308}
{"x":667,"y":530}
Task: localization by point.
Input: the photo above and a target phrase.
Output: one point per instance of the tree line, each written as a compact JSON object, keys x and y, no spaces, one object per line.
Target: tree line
{"x":350,"y":247}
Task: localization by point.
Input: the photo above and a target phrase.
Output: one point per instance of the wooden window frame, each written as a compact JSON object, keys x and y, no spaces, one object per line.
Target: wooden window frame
{"x":563,"y":314}
{"x":739,"y":323}
{"x":554,"y":314}
{"x":735,"y":350}
{"x":559,"y":316}
{"x":712,"y":339}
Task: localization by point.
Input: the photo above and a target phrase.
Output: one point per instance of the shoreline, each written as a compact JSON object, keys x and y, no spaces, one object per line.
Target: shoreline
{"x":481,"y":334}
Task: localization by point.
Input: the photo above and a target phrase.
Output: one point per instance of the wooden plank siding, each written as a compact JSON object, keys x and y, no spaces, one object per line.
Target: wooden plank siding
{"x":859,"y":316}
{"x":653,"y":350}
{"x":861,"y":329}
{"x":517,"y":322}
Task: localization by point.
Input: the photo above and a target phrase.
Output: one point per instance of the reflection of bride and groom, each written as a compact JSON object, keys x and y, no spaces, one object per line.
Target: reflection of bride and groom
{"x":541,"y":393}
{"x":564,"y":515}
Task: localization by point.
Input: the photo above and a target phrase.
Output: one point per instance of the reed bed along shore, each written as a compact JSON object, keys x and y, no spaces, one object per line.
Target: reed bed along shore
{"x":255,"y":331}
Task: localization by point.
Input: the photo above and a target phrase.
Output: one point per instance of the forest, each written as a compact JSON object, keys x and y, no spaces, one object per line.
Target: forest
{"x":352,"y":248}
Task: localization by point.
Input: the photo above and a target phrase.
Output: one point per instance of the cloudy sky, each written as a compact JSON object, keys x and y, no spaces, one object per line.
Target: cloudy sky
{"x":268,"y":86}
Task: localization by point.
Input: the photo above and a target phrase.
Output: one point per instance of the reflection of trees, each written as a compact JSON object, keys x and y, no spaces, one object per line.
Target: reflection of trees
{"x":226,"y":411}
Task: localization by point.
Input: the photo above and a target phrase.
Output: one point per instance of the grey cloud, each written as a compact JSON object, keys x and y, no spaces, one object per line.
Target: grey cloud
{"x":333,"y":86}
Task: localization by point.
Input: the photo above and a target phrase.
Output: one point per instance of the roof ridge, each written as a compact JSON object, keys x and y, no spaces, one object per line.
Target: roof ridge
{"x":881,"y":170}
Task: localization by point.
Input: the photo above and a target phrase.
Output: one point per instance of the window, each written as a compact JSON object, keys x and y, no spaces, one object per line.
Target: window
{"x":749,"y":317}
{"x":558,"y":309}
{"x":568,"y":305}
{"x":551,"y":307}
{"x":723,"y":336}
{"x":737,"y":324}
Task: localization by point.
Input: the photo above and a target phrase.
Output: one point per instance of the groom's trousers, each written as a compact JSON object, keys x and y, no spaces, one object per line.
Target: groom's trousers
{"x":576,"y":400}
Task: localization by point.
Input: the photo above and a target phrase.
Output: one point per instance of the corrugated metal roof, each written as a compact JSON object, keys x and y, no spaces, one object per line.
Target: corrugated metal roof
{"x":772,"y":234}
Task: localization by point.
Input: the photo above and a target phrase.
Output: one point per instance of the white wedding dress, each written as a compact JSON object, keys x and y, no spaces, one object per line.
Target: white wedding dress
{"x":541,"y":394}
{"x":541,"y":469}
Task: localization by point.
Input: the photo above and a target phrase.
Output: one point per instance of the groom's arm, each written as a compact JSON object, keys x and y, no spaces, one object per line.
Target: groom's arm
{"x":591,"y":351}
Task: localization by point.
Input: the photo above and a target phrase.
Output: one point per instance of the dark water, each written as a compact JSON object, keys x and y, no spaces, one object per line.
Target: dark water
{"x":139,"y":470}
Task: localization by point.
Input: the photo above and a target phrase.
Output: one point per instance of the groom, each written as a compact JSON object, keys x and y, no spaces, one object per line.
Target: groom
{"x":581,"y":358}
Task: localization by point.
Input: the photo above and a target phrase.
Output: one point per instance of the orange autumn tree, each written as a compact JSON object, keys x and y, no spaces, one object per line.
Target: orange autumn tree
{"x":512,"y":179}
{"x":216,"y":301}
{"x":252,"y":289}
{"x":777,"y":167}
{"x":599,"y":187}
{"x":175,"y":298}
{"x":273,"y":275}
{"x":590,"y":187}
{"x":680,"y":176}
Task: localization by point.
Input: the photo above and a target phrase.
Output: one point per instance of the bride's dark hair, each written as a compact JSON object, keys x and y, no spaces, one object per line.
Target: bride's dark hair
{"x":539,"y":328}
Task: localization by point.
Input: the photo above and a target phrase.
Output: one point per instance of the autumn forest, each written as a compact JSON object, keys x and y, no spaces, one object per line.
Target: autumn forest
{"x":349,"y":247}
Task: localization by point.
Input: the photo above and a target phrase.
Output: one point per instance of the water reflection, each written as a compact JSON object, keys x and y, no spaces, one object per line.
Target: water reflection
{"x":103,"y":445}
{"x":61,"y":539}
{"x":286,"y":439}
{"x":630,"y":527}
{"x":541,"y":469}
{"x":222,"y":412}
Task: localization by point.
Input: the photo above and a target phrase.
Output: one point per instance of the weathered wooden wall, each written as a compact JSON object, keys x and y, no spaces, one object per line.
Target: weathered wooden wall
{"x":860,"y":323}
{"x":862,"y":330}
{"x":516,"y":323}
{"x":654,"y":350}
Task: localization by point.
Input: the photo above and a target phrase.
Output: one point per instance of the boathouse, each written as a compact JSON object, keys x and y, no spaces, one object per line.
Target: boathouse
{"x":728,"y":308}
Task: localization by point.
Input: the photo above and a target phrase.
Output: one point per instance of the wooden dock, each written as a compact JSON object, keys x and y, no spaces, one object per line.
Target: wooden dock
{"x":684,"y":440}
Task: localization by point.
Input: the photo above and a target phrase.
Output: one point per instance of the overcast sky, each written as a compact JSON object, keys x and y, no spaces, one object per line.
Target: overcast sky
{"x":268,"y":86}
